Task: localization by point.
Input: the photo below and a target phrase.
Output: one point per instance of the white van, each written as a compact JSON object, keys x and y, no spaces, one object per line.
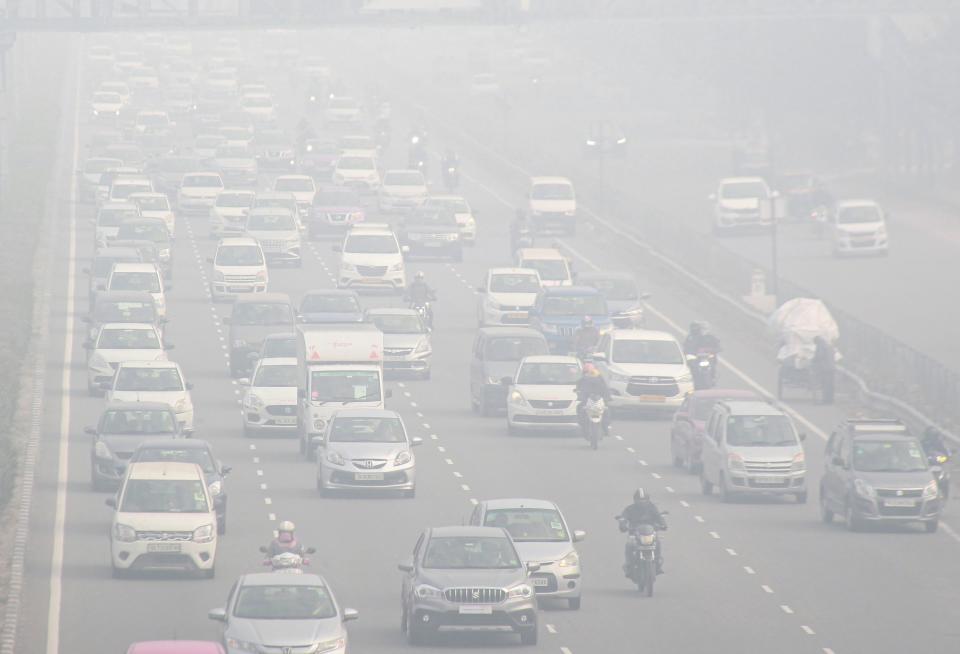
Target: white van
{"x":144,"y":277}
{"x":239,"y":266}
{"x":550,"y":264}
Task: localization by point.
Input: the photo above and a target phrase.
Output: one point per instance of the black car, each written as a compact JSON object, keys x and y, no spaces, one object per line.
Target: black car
{"x":431,"y":233}
{"x":191,"y":451}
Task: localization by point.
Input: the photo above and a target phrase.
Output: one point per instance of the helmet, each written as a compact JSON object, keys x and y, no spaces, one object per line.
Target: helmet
{"x":285,"y":531}
{"x":696,"y":328}
{"x":590,"y":370}
{"x":639,"y":495}
{"x":419,"y":275}
{"x":587,"y":320}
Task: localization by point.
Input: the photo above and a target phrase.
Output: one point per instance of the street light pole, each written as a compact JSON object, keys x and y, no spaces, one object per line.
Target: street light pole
{"x":603,"y":141}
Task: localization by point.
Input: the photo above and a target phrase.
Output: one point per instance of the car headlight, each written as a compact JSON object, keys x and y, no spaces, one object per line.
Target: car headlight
{"x":493,"y":380}
{"x":422,"y":347}
{"x":335,"y":458}
{"x":218,"y":276}
{"x":180,"y":406}
{"x":262,"y":276}
{"x":426,"y":591}
{"x":403,"y":458}
{"x":348,"y":267}
{"x":799,"y":462}
{"x":124,"y":533}
{"x":98,"y":363}
{"x":397,"y":267}
{"x":215,"y":488}
{"x":330,"y":645}
{"x":617,"y":377}
{"x":233,"y":643}
{"x":521,"y":590}
{"x":571,"y":560}
{"x":864,"y":490}
{"x":548,"y":327}
{"x":516,"y":397}
{"x":931,"y":491}
{"x":685,"y":378}
{"x":253,"y":401}
{"x":203,"y":534}
{"x":101,"y":451}
{"x":164,"y":254}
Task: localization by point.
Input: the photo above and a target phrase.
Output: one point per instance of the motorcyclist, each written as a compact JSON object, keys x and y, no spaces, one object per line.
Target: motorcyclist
{"x":592,"y":384}
{"x":934,"y":443}
{"x":519,"y":228}
{"x":586,"y":338}
{"x":419,"y":294}
{"x":450,"y":165}
{"x":642,"y":511}
{"x":286,"y":541}
{"x":700,"y":338}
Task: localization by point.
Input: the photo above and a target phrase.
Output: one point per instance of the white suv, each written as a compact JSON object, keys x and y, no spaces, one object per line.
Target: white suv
{"x":277,"y":232}
{"x":402,"y":189}
{"x":238,"y":267}
{"x":859,"y":227}
{"x":228,"y":216}
{"x":371,"y":258}
{"x":738,"y":202}
{"x":644,"y":369}
{"x":164,"y":519}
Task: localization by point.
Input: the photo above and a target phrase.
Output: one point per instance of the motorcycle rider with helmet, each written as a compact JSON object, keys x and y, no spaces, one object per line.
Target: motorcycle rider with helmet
{"x":592,"y":384}
{"x":642,"y":511}
{"x":286,"y":541}
{"x":419,"y":294}
{"x":586,"y":339}
{"x":699,"y":337}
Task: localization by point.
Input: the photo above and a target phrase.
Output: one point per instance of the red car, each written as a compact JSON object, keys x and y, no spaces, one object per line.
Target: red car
{"x":690,"y":422}
{"x":176,"y":647}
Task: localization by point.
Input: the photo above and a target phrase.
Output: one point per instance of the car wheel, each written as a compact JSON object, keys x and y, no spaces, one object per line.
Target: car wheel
{"x":574,"y":603}
{"x":854,"y":523}
{"x":119,"y":573}
{"x":705,"y":486}
{"x":931,"y":526}
{"x":416,"y":634}
{"x":529,"y":636}
{"x":484,"y":406}
{"x":724,"y":492}
{"x":826,"y":515}
{"x":209,"y":574}
{"x":222,"y":525}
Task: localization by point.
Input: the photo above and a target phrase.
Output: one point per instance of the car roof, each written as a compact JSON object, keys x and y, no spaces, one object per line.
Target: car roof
{"x":518,"y":503}
{"x":641,"y":335}
{"x":512,"y":271}
{"x":263,"y":298}
{"x":365,"y":413}
{"x":550,"y":180}
{"x":238,"y":240}
{"x":752,"y":408}
{"x":132,"y":266}
{"x":883,"y":435}
{"x":570,"y":290}
{"x":391,"y":311}
{"x":742,"y":180}
{"x":282,"y":579}
{"x":509,"y":331}
{"x":123,"y":296}
{"x":164,"y":470}
{"x":468,"y":531}
{"x":551,"y":358}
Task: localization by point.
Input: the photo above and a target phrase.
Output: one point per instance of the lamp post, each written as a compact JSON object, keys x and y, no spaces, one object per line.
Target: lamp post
{"x":604,"y":140}
{"x":774,"y":209}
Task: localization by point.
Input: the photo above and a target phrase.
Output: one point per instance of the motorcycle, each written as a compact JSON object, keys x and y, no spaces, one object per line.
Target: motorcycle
{"x":941,"y":472}
{"x":641,"y":560}
{"x":425,"y":311}
{"x":287,"y":561}
{"x":592,"y":420}
{"x":703,"y":367}
{"x":451,"y":175}
{"x":521,"y":237}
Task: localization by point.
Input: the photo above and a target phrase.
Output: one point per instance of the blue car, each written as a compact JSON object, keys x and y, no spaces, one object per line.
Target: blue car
{"x":560,"y":310}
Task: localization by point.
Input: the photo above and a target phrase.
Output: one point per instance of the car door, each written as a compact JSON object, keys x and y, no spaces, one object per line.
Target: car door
{"x":710,"y":457}
{"x":409,"y":578}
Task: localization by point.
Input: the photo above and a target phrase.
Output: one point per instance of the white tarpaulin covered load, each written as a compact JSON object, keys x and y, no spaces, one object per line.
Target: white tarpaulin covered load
{"x":797,"y":323}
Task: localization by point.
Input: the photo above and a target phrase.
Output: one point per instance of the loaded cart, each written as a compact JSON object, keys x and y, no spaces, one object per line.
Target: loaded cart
{"x":807,"y":335}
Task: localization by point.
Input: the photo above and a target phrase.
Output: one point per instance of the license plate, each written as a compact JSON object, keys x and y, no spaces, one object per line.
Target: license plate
{"x":550,"y":412}
{"x":163,"y":547}
{"x":432,"y":244}
{"x":903,"y":503}
{"x":368,"y":476}
{"x":515,"y":316}
{"x":292,"y":420}
{"x":541,"y":581}
{"x":476,"y":610}
{"x":651,"y":398}
{"x":239,"y":289}
{"x":767,"y":480}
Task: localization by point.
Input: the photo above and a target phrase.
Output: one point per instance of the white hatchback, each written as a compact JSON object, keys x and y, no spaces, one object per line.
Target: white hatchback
{"x":117,"y":343}
{"x":543,"y":395}
{"x":402,"y":190}
{"x":371,"y":257}
{"x":198,"y":192}
{"x":156,"y":205}
{"x":154,"y":381}
{"x":270,"y":401}
{"x":358,"y":171}
{"x":228,"y":215}
{"x":507,"y":296}
{"x":144,"y":277}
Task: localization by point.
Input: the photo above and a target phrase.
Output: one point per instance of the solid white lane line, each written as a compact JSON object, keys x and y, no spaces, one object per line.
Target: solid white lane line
{"x":406,"y":393}
{"x":807,"y":630}
{"x":414,"y":405}
{"x":767,"y":589}
{"x":256,"y":459}
{"x":253,"y":446}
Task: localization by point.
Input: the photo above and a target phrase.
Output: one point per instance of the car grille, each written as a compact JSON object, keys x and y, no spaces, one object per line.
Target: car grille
{"x":273,"y":245}
{"x":550,"y":404}
{"x":440,"y":237}
{"x":282,"y":410}
{"x":475,"y":595}
{"x":397,"y":351}
{"x":372,"y":271}
{"x":899,"y":492}
{"x":564,"y":330}
{"x":337,"y":217}
{"x":369,"y":464}
{"x":901,"y":511}
{"x":240,"y":279}
{"x":165,"y":535}
{"x":763,"y":467}
{"x":665,"y":386}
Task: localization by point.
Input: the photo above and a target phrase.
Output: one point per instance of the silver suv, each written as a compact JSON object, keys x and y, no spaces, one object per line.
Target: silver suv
{"x":467,"y":579}
{"x":752,"y":447}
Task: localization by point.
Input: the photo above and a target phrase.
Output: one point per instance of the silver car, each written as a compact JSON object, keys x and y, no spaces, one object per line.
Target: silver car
{"x":281,"y":612}
{"x":366,"y":449}
{"x":541,"y":536}
{"x":407,"y":347}
{"x":467,"y":579}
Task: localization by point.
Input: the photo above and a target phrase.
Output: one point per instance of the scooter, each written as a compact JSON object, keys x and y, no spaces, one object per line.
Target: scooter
{"x":592,"y":420}
{"x":939,"y":466}
{"x":451,"y":175}
{"x":287,"y":561}
{"x":425,"y":311}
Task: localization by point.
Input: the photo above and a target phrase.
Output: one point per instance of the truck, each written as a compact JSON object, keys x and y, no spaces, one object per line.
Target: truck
{"x":338,"y":366}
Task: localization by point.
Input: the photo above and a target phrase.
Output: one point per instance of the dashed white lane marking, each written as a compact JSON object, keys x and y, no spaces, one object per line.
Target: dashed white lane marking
{"x":259,"y":473}
{"x":419,"y":413}
{"x":434,"y":437}
{"x":786,"y":609}
{"x":252,"y":446}
{"x":731,"y":551}
{"x":631,"y":450}
{"x":565,"y":650}
{"x":449,"y":462}
{"x":807,"y":630}
{"x":827,"y":650}
{"x":641,"y":462}
{"x":464,"y":487}
{"x":406,"y":393}
{"x":441,"y":449}
{"x":256,"y":459}
{"x":655,"y":475}
{"x":414,"y":405}
{"x":426,"y":426}
{"x":684,"y":504}
{"x":263,"y":487}
{"x":267,"y":501}
{"x":749,"y":570}
{"x":457,"y":475}
{"x":551,"y":629}
{"x":272,"y":517}
{"x":669,"y":489}
{"x":401,"y":385}
{"x":767,"y":589}
{"x":618,"y":437}
{"x":698,"y":518}
{"x":714,"y":535}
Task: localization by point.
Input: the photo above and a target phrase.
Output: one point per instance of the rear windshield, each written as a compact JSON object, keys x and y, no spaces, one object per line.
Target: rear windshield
{"x":261,"y":313}
{"x":138,"y":421}
{"x":124,"y":311}
{"x":239,"y":255}
{"x":511,"y":348}
{"x":135,"y":281}
{"x":146,"y":380}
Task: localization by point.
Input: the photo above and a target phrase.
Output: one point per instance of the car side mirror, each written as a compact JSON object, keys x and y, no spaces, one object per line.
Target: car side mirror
{"x":189,"y":386}
{"x":533,"y":567}
{"x":803,"y":436}
{"x":350,"y":614}
{"x":579,"y":535}
{"x":111,"y":502}
{"x":599,"y":356}
{"x":506,"y":381}
{"x":220,"y":615}
{"x":405,"y":566}
{"x":415,"y":441}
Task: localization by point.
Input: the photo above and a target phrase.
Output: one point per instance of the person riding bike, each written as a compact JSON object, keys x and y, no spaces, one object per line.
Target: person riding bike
{"x":286,"y":541}
{"x":520,"y":228}
{"x":700,"y":338}
{"x":419,"y":294}
{"x":592,"y":384}
{"x":934,"y":443}
{"x":642,"y":511}
{"x":586,"y":338}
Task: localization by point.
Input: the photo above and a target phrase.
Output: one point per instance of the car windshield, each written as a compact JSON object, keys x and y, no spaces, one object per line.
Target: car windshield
{"x":344,"y":386}
{"x":343,"y":103}
{"x":128,"y":339}
{"x":153,"y":203}
{"x":122,"y":311}
{"x":112,"y":217}
{"x":552,"y":192}
{"x":888,"y":456}
{"x":199,"y":455}
{"x":99,"y":166}
{"x":526,"y":525}
{"x":144,"y":231}
{"x":514,"y":283}
{"x":743,"y":190}
{"x":202,"y":181}
{"x":107,"y":97}
{"x":406,"y":323}
{"x":271,"y":222}
{"x":355,"y":163}
{"x":550,"y":269}
{"x":257,"y":101}
{"x":367,"y":430}
{"x":235,"y":200}
{"x":861,"y":214}
{"x":135,"y":281}
{"x":559,"y":374}
{"x":371,"y":244}
{"x":638,"y":351}
{"x":435,"y":218}
{"x":153,"y":120}
{"x":760,"y":431}
{"x":465,"y":553}
{"x":514,"y":348}
{"x":145,"y":380}
{"x":413,"y":178}
{"x":138,"y":421}
{"x":293,"y":602}
{"x":615,"y":289}
{"x":239,"y":255}
{"x":261,"y":313}
{"x":329,"y":304}
{"x":294,"y":184}
{"x":279,"y":347}
{"x":574,"y":305}
{"x":334,"y":198}
{"x":276,"y":376}
{"x":164,"y":496}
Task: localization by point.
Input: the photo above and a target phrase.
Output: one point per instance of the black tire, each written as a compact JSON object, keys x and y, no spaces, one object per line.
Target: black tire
{"x":594,"y":436}
{"x":119,"y":573}
{"x":705,"y":486}
{"x":826,"y":515}
{"x":725,"y":496}
{"x":209,"y":574}
{"x":416,"y":634}
{"x":573,"y":603}
{"x":854,"y":523}
{"x":931,"y":526}
{"x":96,"y":483}
{"x":484,"y":406}
{"x":529,"y":636}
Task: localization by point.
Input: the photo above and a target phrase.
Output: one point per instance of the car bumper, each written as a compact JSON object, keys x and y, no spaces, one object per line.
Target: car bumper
{"x":789,"y":484}
{"x":527,"y":418}
{"x":139,"y":555}
{"x":400,"y":365}
{"x":447,"y":617}
{"x":194,"y":205}
{"x":857,"y":246}
{"x":388,"y":202}
{"x":922,"y":511}
{"x":223,"y":291}
{"x":520,"y":316}
{"x":390,"y":280}
{"x":619,"y":397}
{"x":360,"y":185}
{"x":340,"y":478}
{"x":262,"y":421}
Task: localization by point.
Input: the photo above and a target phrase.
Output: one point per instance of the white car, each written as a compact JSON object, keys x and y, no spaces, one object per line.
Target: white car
{"x":543,"y":396}
{"x":143,"y":78}
{"x":228,"y":215}
{"x":237,"y":164}
{"x":270,"y":401}
{"x":102,"y":191}
{"x":156,"y":205}
{"x":371,"y":257}
{"x":120,"y":88}
{"x":152,"y":122}
{"x":205,"y":145}
{"x":117,"y":343}
{"x":507,"y":296}
{"x":125,"y":186}
{"x":164,"y":518}
{"x":360,"y":144}
{"x":259,"y":106}
{"x":643,"y":369}
{"x":358,"y":172}
{"x":198,"y":192}
{"x":402,"y":190}
{"x":238,"y":267}
{"x":552,"y":204}
{"x":93,"y":169}
{"x":550,"y":264}
{"x":274,"y":199}
{"x":342,"y":110}
{"x":302,"y":186}
{"x":277,"y":232}
{"x":143,"y":277}
{"x":461,"y":211}
{"x":859,"y":227}
{"x":237,"y":135}
{"x":738,"y":202}
{"x":154,"y":381}
{"x":109,"y":217}
{"x":106,"y":105}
